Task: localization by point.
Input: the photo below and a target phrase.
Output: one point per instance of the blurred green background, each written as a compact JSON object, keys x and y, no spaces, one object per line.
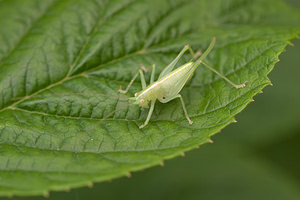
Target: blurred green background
{"x":256,"y":158}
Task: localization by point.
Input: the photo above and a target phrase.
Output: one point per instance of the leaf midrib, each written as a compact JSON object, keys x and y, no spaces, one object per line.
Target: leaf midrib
{"x":113,"y":61}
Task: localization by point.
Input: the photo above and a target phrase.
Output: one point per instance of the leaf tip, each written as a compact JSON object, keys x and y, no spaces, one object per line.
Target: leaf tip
{"x":210,"y":141}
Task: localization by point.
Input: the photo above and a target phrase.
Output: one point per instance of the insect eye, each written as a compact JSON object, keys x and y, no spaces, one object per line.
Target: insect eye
{"x":164,"y":97}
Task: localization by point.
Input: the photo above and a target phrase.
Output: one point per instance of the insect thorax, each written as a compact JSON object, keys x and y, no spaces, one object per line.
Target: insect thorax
{"x":150,"y":93}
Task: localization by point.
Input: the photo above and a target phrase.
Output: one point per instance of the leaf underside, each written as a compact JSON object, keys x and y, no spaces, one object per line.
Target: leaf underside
{"x":62,"y":63}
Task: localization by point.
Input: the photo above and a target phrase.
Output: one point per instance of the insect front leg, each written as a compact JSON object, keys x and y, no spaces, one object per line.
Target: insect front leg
{"x":152,"y":102}
{"x":133,"y":79}
{"x":149,"y":114}
{"x":143,"y":81}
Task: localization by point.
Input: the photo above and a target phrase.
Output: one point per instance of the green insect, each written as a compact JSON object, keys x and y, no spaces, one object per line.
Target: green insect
{"x":170,"y":82}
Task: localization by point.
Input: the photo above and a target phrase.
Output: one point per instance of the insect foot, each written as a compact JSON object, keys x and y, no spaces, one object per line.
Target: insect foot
{"x":186,"y":46}
{"x":241,"y":85}
{"x":191,"y":122}
{"x":144,"y":68}
{"x":142,"y":126}
{"x":122,"y":91}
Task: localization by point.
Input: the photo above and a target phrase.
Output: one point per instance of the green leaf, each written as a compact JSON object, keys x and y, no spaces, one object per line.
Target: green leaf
{"x":231,"y":168}
{"x":62,"y":63}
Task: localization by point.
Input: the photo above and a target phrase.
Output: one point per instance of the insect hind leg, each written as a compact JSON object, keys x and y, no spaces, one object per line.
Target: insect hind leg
{"x":224,"y":77}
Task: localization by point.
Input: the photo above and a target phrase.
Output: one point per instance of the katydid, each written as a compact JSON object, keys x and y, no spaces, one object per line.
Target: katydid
{"x":170,"y":82}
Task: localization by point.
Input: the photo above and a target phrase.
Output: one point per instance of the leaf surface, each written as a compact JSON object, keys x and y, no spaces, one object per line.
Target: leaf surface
{"x":62,"y":63}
